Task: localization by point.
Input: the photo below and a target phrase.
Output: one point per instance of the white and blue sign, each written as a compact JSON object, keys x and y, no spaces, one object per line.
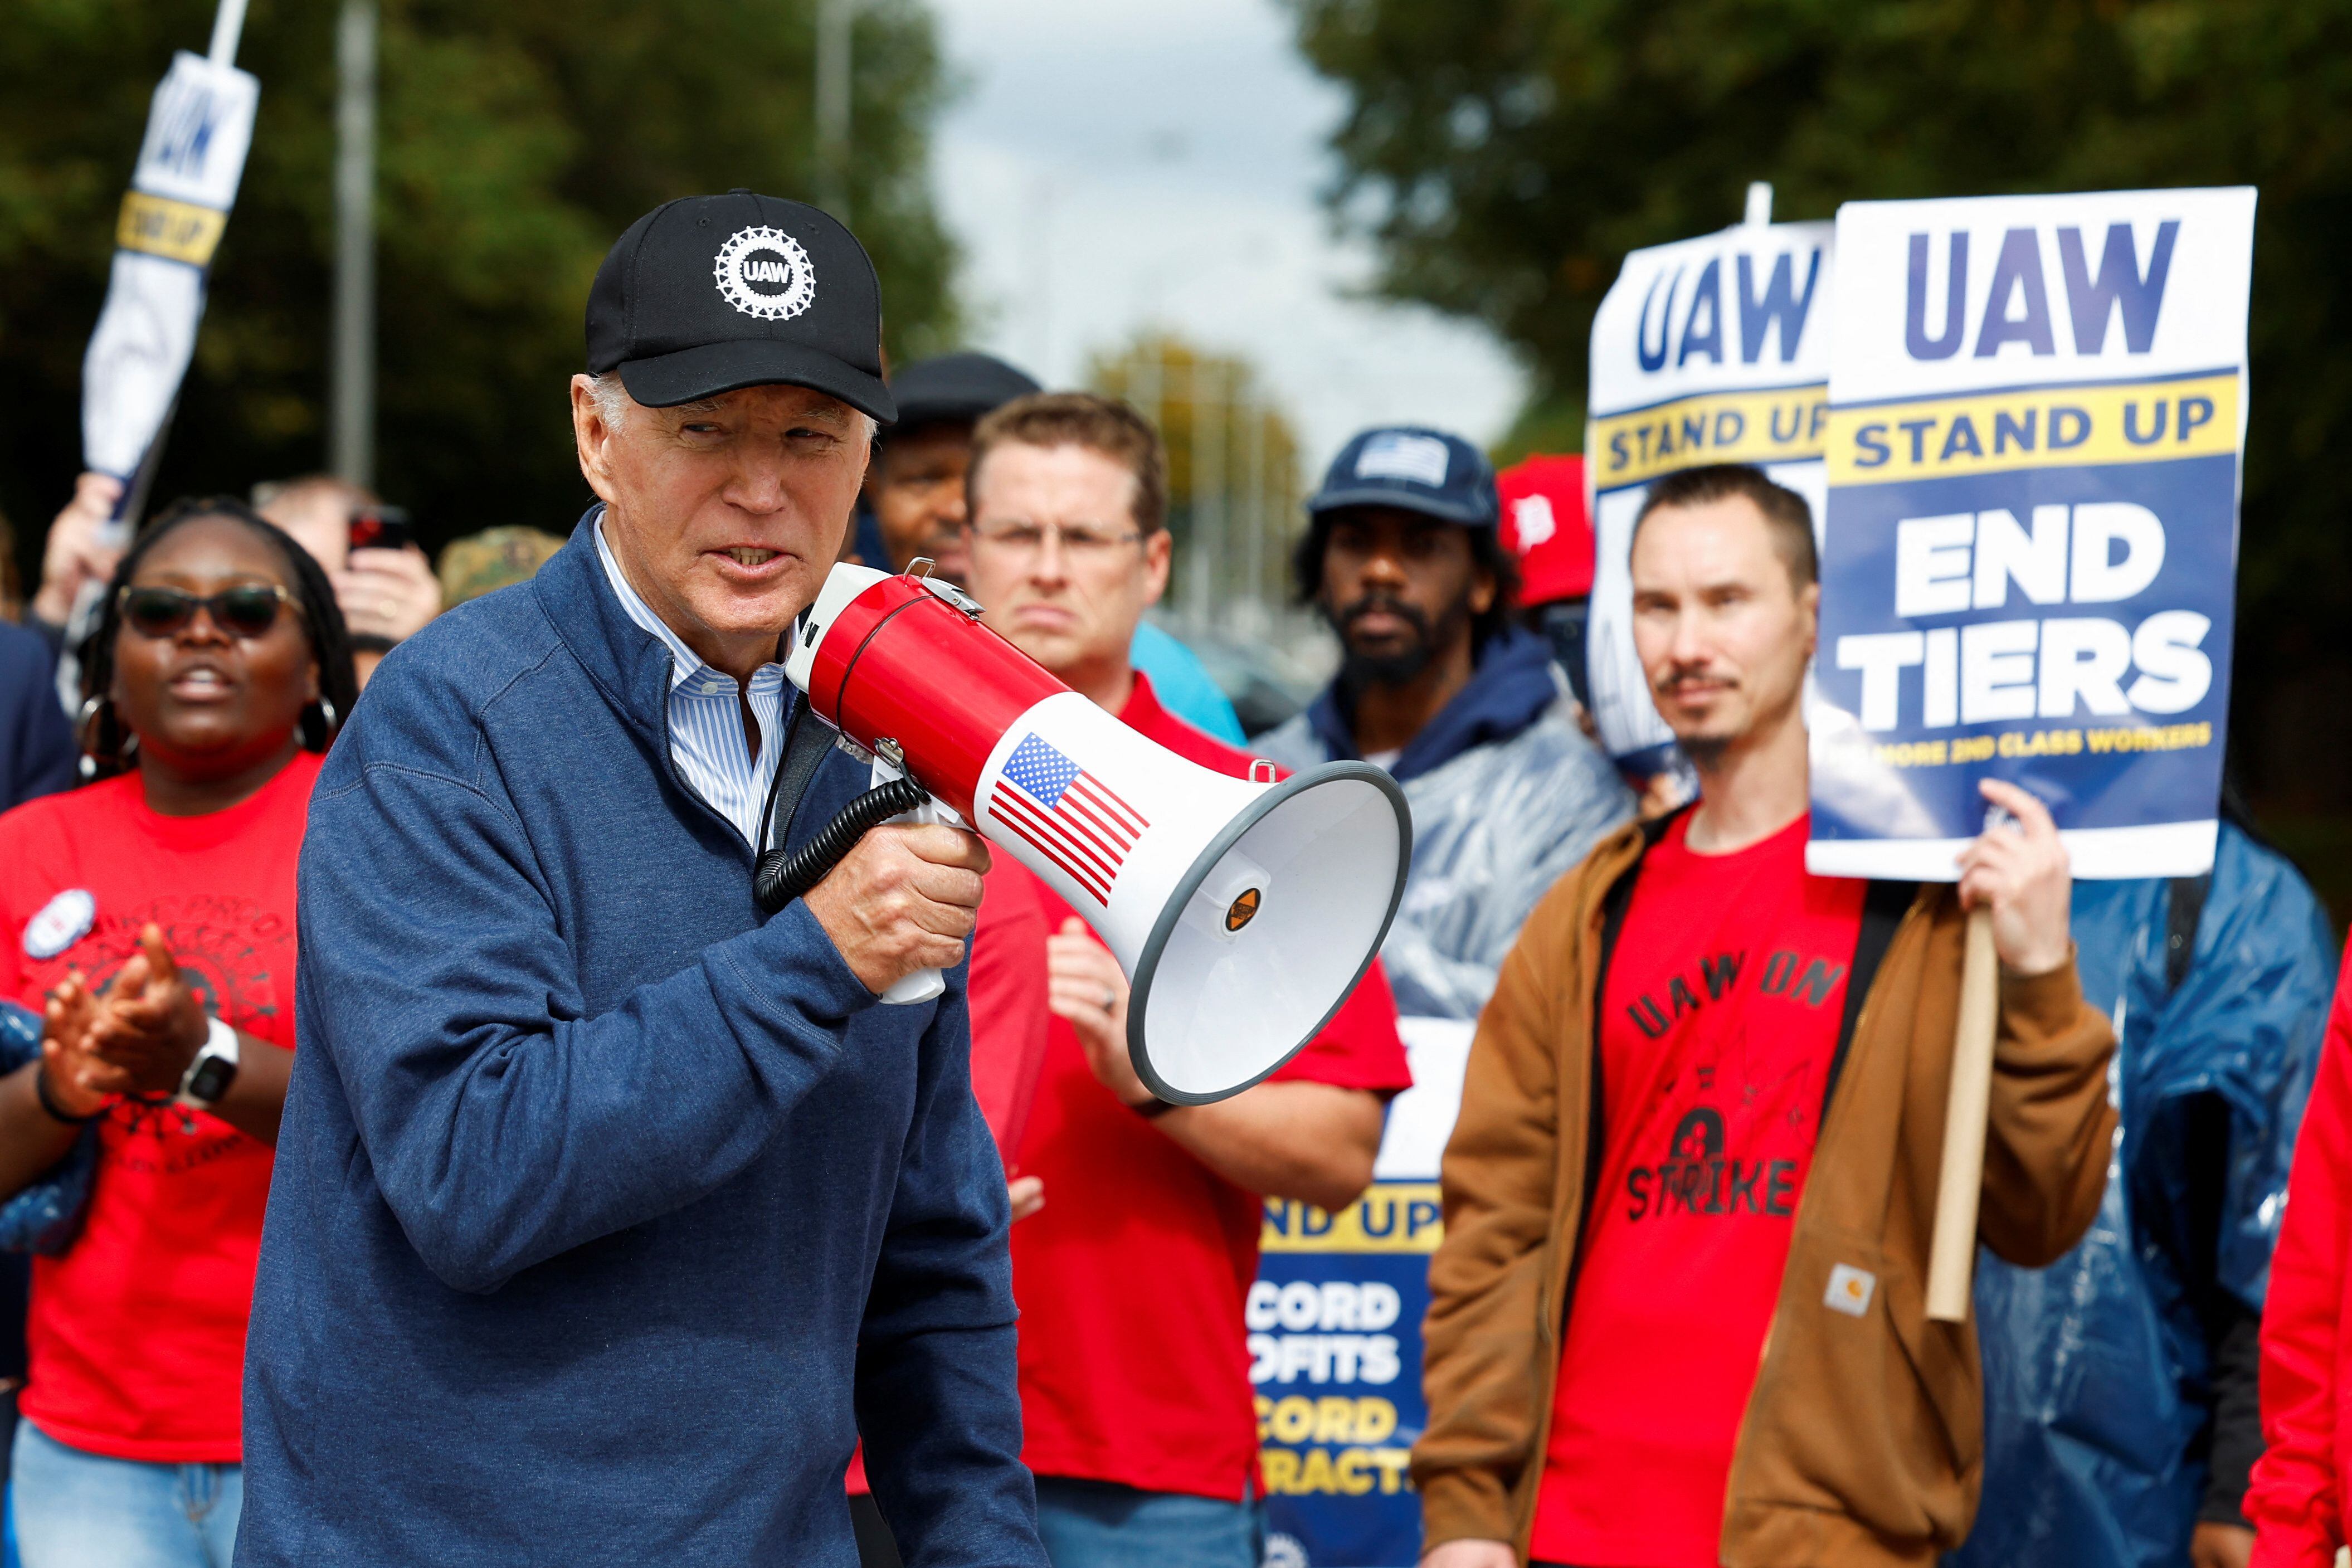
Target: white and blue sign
{"x":1714,"y":350}
{"x":1334,"y":1324}
{"x":2037,"y":414}
{"x":190,"y":163}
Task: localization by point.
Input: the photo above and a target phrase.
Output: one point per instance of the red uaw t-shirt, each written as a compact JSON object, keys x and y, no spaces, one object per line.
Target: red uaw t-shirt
{"x":137,"y":1334}
{"x":1007,"y":997}
{"x":1719,"y":1018}
{"x":1132,"y":1279}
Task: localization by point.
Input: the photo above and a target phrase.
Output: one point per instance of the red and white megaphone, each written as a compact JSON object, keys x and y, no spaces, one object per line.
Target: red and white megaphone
{"x":1243,"y":912}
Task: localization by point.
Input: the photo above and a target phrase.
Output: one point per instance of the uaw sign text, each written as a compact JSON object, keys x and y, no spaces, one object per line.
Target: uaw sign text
{"x":2037,"y":410}
{"x":1714,"y":350}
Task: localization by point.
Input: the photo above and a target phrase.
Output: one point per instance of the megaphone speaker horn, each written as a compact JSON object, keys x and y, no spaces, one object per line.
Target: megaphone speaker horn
{"x":1242,"y":911}
{"x":1264,"y":936}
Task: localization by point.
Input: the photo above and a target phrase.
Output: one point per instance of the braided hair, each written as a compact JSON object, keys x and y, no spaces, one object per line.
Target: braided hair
{"x":321,"y":618}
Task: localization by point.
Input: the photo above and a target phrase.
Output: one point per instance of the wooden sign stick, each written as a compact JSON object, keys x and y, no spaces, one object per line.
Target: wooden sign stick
{"x":1951,"y":1259}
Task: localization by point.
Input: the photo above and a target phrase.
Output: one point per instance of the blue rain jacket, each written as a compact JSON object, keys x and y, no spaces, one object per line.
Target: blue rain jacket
{"x":47,"y":1215}
{"x":1506,"y":795}
{"x":1183,"y":685}
{"x":2099,"y":1370}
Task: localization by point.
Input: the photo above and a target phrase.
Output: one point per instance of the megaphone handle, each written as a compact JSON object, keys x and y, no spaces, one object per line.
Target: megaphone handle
{"x":923,"y":983}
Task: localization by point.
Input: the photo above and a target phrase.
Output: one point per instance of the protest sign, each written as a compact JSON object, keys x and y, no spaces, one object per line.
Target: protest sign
{"x":181,"y":192}
{"x":1334,"y":1324}
{"x":1705,"y":350}
{"x":199,"y":128}
{"x":2037,"y":411}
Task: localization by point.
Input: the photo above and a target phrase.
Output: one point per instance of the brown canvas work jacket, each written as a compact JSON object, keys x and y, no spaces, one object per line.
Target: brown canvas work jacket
{"x":1863,"y":1441}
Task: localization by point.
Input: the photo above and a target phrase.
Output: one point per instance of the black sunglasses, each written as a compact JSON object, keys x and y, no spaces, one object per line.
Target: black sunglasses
{"x":248,"y":610}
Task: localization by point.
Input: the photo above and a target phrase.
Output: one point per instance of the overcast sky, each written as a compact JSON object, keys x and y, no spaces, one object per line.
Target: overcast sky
{"x":1113,"y":165}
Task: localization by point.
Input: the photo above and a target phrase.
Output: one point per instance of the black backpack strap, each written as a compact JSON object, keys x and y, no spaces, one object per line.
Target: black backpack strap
{"x":1883,"y":907}
{"x":1614,"y":905}
{"x":807,"y":738}
{"x":2184,"y":908}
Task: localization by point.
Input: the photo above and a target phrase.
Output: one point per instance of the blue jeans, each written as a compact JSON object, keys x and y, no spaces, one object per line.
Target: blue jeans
{"x":1096,"y":1524}
{"x":75,"y":1510}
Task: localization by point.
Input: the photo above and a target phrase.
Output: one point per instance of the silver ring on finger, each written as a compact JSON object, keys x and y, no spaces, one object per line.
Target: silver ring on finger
{"x":1109,"y":1000}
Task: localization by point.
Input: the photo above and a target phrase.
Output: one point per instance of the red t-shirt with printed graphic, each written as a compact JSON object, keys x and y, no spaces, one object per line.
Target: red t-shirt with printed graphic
{"x":137,"y":1334}
{"x":1134,"y":1364}
{"x":1720,"y":1019}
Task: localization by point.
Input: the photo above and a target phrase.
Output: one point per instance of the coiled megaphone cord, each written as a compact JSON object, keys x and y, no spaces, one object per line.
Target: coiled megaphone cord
{"x":785,"y":875}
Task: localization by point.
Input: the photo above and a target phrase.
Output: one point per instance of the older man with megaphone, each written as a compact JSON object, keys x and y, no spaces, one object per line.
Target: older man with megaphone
{"x":611,"y":1208}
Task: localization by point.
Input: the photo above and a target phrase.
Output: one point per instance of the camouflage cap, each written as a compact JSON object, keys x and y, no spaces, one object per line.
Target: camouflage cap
{"x":480,"y":563}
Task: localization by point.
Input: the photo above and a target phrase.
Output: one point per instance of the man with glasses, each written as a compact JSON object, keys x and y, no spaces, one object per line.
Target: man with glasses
{"x":1136,"y":1394}
{"x":914,"y":506}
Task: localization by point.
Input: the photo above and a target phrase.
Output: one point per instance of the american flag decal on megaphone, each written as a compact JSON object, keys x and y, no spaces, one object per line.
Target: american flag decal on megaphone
{"x":1066,"y":815}
{"x":1242,"y":911}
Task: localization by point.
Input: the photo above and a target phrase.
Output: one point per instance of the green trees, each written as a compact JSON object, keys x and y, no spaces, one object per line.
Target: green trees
{"x":1234,"y":482}
{"x":517,"y":141}
{"x":1504,"y":155}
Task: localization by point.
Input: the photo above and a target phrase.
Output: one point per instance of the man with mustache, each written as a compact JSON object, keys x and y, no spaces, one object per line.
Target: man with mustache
{"x":1438,"y":686}
{"x":1678,"y":1318}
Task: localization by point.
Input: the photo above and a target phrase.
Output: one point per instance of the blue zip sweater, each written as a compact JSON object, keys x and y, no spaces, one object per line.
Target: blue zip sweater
{"x":606,"y":1214}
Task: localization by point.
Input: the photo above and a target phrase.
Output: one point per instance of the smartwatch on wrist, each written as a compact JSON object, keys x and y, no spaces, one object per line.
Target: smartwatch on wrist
{"x":214,"y":1069}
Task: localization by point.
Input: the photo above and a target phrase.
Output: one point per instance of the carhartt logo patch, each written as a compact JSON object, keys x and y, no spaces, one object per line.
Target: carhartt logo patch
{"x":1850,"y":1290}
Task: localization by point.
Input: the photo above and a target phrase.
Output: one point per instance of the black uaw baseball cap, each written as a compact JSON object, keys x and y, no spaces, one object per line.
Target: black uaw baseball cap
{"x":707,"y":294}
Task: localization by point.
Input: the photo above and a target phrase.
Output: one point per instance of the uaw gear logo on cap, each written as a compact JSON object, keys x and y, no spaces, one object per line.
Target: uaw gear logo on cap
{"x":764,"y":272}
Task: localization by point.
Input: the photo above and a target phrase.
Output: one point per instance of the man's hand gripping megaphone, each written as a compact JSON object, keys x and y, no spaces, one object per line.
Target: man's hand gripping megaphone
{"x":1242,"y":911}
{"x":902,"y":901}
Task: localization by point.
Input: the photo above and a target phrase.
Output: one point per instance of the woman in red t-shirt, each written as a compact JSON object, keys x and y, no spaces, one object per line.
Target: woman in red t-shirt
{"x":151,"y":914}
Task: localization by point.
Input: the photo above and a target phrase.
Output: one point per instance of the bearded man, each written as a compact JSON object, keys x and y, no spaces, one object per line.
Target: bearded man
{"x":1463,"y":708}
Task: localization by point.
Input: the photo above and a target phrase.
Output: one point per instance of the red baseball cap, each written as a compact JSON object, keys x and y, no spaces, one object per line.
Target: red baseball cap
{"x":1548,"y":525}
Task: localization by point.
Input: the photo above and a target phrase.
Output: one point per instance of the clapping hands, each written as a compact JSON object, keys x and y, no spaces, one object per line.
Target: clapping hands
{"x":137,"y":1037}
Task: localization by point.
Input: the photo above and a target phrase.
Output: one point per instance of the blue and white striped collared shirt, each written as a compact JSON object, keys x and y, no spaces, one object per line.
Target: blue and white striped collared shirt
{"x":706,"y":726}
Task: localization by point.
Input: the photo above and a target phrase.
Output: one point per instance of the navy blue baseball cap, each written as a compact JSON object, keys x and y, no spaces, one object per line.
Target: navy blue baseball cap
{"x":1412,"y":468}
